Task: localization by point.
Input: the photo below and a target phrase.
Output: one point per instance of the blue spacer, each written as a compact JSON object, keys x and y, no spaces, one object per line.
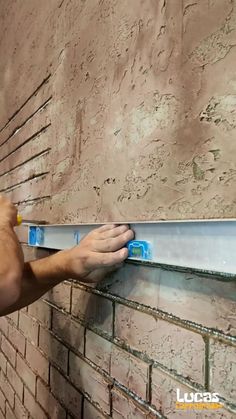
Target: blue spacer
{"x":32,"y":236}
{"x":140,"y":249}
{"x":36,"y":236}
{"x":39,"y":236}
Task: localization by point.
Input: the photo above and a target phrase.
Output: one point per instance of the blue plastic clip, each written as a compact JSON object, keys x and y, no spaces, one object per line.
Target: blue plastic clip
{"x":140,"y":249}
{"x":36,"y":236}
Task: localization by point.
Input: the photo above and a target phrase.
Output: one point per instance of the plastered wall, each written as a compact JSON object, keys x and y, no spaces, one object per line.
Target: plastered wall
{"x":117,"y":110}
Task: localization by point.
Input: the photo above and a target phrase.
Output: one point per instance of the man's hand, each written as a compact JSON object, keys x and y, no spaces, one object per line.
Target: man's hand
{"x":98,"y":252}
{"x":8,"y":213}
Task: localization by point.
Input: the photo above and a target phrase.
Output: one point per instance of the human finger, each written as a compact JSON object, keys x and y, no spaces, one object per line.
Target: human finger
{"x":105,"y":227}
{"x":114,"y":232}
{"x":112,"y":258}
{"x":115,"y":243}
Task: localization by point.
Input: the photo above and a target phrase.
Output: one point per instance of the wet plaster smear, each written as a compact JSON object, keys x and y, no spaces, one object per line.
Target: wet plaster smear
{"x":118,"y":110}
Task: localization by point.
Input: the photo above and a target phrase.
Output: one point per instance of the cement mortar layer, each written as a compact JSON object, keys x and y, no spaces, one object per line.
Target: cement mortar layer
{"x":142,"y":112}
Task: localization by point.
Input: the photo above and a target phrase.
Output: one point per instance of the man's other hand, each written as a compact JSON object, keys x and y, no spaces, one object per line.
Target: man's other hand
{"x":99,"y":252}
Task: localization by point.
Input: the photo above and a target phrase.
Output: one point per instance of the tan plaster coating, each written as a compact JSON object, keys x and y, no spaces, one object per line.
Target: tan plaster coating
{"x":141,"y":111}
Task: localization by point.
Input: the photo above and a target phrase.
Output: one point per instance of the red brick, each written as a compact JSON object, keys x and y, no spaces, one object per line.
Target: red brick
{"x":169,"y":344}
{"x":68,"y":330}
{"x":130,"y":371}
{"x":16,"y":338}
{"x":22,"y":233}
{"x":164,"y":392}
{"x":90,"y":381}
{"x":182,"y":294}
{"x":48,"y":402}
{"x":38,"y":363}
{"x":98,"y":350}
{"x":125,"y":368}
{"x":3,"y":363}
{"x":164,"y":398}
{"x":61,"y":296}
{"x":32,"y":253}
{"x":41,"y":312}
{"x":8,"y":351}
{"x":7,"y":389}
{"x":14,"y":317}
{"x":26,"y":373}
{"x":90,"y":412}
{"x":223,"y":370}
{"x":29,"y":327}
{"x":136,"y":283}
{"x":9,"y":412}
{"x":29,"y":252}
{"x":2,"y":402}
{"x":66,"y":393}
{"x":32,"y":406}
{"x":20,"y":411}
{"x":92,"y":309}
{"x":15,"y":381}
{"x":4,"y":325}
{"x":54,"y":349}
{"x":123,"y":407}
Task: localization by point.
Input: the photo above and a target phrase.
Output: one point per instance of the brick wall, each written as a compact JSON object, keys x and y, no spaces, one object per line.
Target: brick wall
{"x":120,"y":350}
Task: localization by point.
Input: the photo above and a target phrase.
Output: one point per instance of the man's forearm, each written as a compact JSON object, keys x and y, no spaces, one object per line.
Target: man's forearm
{"x":11,"y":266}
{"x":10,"y":250}
{"x":39,"y":276}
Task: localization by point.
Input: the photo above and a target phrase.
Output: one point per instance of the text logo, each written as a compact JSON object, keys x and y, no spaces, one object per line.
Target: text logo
{"x":198,"y":401}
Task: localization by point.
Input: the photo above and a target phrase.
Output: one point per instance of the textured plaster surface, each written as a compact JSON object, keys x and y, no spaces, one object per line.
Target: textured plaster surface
{"x":137,"y":118}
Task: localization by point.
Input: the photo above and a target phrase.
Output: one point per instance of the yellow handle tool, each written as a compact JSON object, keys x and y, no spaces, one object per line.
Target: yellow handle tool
{"x":19,"y":219}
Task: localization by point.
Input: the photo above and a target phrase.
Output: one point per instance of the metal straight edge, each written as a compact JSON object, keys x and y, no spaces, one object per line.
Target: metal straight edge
{"x":208,"y":245}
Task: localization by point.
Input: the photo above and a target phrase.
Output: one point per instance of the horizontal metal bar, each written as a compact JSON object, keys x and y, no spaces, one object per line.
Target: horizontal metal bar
{"x":202,"y":245}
